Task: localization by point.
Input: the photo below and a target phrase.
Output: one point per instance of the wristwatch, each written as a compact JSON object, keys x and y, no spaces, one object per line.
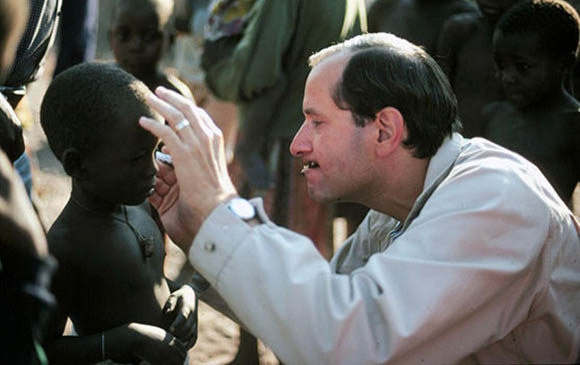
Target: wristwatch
{"x":243,"y":209}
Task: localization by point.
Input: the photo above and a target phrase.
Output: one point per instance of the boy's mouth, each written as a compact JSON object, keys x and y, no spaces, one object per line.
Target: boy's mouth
{"x":307,"y":166}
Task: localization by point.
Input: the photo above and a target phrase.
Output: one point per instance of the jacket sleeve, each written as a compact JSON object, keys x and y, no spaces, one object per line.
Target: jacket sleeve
{"x":467,"y":261}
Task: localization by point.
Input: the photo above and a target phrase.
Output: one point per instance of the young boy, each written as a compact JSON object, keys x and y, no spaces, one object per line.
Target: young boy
{"x":141,"y":33}
{"x":535,"y":45}
{"x":464,"y":51}
{"x":109,"y":246}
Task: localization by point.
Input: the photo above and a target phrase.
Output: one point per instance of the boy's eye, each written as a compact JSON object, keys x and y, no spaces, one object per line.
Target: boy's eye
{"x":122,"y":34}
{"x":139,"y":157}
{"x":152,"y":35}
{"x":316,"y":123}
{"x":522,"y":67}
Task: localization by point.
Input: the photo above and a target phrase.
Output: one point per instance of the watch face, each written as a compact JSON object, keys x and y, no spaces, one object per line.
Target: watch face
{"x":242,"y":208}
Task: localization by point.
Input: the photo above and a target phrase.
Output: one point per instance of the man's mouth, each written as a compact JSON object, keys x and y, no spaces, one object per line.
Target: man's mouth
{"x":307,"y":166}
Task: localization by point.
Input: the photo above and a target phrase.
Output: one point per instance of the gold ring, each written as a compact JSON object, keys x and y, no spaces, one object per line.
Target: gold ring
{"x":182,"y":124}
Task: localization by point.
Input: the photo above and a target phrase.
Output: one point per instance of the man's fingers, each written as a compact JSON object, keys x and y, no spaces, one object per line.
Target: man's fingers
{"x":156,"y":201}
{"x":179,"y":121}
{"x":167,"y":174}
{"x":182,"y":104}
{"x":162,"y":132}
{"x":162,"y":186}
{"x":196,"y":115}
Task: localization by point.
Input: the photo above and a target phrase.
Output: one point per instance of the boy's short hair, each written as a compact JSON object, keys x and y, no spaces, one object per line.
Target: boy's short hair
{"x":555,"y":21}
{"x":164,"y":8}
{"x":84,"y":100}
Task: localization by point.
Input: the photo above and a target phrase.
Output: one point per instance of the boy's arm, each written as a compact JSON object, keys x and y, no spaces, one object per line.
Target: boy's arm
{"x":450,"y":40}
{"x":124,"y":344}
{"x":77,"y":349}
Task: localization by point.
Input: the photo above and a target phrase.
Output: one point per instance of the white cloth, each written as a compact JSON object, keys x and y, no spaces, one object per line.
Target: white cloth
{"x":485,"y":269}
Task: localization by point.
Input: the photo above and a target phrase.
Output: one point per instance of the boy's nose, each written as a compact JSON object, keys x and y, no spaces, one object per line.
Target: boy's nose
{"x":301,"y":143}
{"x":152,"y":169}
{"x":136,"y":43}
{"x":508,"y":75}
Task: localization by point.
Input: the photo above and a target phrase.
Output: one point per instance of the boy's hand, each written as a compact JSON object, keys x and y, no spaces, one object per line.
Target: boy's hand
{"x":182,"y":304}
{"x":157,"y":346}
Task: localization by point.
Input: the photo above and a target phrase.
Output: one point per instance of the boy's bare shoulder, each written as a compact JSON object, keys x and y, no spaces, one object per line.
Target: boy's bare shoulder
{"x":462,"y":7}
{"x":461,"y":25}
{"x":68,"y":231}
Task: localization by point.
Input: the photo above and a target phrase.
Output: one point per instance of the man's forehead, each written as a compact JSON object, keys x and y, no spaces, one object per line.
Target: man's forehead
{"x":327,"y":72}
{"x":334,"y":63}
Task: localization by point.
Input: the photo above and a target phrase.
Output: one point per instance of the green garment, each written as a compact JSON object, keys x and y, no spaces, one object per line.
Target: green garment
{"x":274,"y":50}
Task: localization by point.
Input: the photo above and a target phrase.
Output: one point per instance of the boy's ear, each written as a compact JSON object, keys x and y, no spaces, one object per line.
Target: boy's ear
{"x":72,"y":161}
{"x":391,"y":130}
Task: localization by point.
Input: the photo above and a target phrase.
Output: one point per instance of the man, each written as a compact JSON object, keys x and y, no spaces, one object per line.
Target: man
{"x":467,"y":255}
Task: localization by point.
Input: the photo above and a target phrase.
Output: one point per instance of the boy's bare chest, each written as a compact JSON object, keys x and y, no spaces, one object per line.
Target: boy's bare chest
{"x":119,"y":280}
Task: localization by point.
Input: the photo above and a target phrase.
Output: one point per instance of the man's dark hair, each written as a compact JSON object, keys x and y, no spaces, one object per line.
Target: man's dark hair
{"x":385,"y":70}
{"x":555,"y":21}
{"x":84,"y":100}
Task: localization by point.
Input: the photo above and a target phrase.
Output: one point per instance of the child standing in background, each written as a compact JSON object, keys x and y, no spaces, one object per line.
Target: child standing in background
{"x":464,"y":51}
{"x":141,"y":33}
{"x":535,"y":46}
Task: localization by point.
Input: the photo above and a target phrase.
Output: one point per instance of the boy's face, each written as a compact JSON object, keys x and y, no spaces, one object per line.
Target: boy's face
{"x":527,"y":72}
{"x":121,"y":169}
{"x":138,"y":39}
{"x":494,"y":9}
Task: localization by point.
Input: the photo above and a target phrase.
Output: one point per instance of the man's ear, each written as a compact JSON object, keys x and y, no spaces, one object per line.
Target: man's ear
{"x":72,"y":161}
{"x":391,"y":130}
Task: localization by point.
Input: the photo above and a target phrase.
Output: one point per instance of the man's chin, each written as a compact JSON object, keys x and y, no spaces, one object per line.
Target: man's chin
{"x":319,"y":197}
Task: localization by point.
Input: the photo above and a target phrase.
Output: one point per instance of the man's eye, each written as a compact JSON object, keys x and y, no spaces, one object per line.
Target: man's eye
{"x":316,"y":123}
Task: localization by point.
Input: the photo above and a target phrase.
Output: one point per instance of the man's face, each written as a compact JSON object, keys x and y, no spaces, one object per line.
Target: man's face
{"x":336,"y":159}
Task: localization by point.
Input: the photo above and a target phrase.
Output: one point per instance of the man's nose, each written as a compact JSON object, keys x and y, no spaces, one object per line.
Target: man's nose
{"x":300,"y":144}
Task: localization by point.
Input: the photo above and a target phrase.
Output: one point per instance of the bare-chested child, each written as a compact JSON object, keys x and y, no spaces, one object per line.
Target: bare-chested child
{"x":535,"y":46}
{"x":110,"y":281}
{"x":141,"y":33}
{"x":418,"y":21}
{"x":464,"y":51}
